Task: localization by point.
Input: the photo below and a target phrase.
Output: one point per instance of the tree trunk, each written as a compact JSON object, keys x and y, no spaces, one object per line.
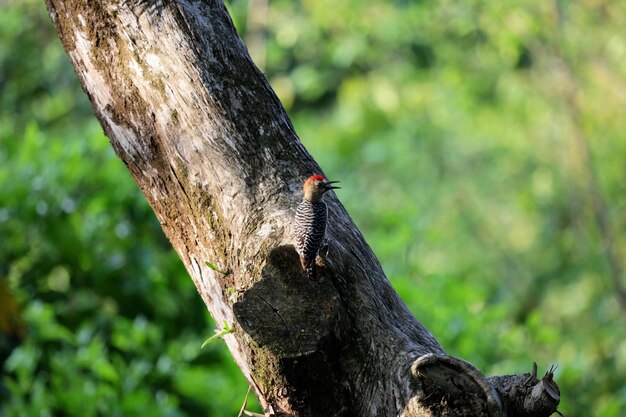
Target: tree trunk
{"x":215,"y":154}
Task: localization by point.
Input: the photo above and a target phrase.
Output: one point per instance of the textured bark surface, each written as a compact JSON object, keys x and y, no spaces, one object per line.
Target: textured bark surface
{"x":212,"y":149}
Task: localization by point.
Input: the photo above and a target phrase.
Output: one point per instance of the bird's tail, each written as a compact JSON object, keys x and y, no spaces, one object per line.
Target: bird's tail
{"x":311,"y":271}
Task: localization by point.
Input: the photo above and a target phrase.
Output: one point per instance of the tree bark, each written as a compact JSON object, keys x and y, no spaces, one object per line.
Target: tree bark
{"x":215,"y":154}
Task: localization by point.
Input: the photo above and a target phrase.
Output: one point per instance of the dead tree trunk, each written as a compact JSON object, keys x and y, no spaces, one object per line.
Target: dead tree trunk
{"x":215,"y":154}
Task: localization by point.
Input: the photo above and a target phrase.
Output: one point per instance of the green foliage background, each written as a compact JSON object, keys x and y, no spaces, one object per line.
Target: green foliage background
{"x":482,"y":150}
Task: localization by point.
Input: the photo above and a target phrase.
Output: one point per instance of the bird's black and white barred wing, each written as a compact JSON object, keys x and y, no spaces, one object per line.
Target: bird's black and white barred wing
{"x":310,"y":230}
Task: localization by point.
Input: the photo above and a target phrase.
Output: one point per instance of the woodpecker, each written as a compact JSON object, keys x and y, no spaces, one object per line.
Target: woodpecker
{"x":311,"y":217}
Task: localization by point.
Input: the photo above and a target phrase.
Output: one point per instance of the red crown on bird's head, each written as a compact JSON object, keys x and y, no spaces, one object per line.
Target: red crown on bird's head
{"x":312,"y":179}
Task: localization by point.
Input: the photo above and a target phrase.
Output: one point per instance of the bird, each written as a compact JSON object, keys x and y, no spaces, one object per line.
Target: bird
{"x":311,"y":215}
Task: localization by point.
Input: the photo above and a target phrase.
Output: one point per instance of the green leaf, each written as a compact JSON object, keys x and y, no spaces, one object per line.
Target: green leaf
{"x":218,"y":334}
{"x":216,"y":269}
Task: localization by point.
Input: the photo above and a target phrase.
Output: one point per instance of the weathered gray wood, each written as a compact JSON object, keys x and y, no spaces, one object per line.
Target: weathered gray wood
{"x":213,"y":150}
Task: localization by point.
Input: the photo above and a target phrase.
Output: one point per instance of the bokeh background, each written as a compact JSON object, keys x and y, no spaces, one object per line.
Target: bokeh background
{"x":482,"y":150}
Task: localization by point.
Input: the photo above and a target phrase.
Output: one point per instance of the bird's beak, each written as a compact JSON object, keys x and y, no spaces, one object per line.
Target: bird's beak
{"x":329,"y":185}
